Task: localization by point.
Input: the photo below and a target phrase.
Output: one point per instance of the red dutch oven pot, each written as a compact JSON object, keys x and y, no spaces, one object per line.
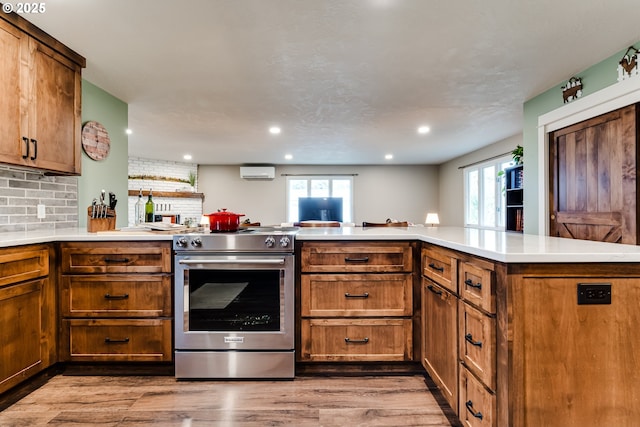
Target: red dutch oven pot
{"x":224,"y":221}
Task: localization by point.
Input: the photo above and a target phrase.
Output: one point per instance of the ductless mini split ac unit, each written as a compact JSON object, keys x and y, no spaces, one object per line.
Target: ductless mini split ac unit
{"x":257,"y":172}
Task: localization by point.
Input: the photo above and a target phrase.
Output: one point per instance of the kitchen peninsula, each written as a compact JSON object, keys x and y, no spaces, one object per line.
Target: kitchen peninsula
{"x":543,"y":329}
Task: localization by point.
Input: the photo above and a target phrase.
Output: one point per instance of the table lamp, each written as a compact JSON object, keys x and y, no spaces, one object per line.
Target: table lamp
{"x":432,"y":219}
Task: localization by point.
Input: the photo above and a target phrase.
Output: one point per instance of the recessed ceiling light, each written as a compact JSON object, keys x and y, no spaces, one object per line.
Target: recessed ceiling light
{"x":388,"y":156}
{"x":423,"y":129}
{"x":187,"y":157}
{"x":288,"y":156}
{"x":274,"y":130}
{"x":128,"y":131}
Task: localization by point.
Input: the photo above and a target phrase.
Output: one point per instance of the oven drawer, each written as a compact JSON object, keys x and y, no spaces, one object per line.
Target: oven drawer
{"x":342,"y":295}
{"x":116,"y":295}
{"x":366,"y":257}
{"x":115,"y":257}
{"x":350,"y":340}
{"x":117,"y":340}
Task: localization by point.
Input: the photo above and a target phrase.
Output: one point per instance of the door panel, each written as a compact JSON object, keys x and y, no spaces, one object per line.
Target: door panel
{"x":593,"y":179}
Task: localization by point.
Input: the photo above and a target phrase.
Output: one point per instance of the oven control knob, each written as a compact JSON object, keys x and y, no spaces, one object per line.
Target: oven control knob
{"x":181,"y":242}
{"x":270,"y":242}
{"x":196,"y":243}
{"x":284,"y":242}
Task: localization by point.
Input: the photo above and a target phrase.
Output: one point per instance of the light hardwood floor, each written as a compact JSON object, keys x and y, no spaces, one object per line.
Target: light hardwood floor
{"x":164,"y":401}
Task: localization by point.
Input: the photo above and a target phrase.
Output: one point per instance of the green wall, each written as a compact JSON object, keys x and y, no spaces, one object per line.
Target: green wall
{"x":111,"y":173}
{"x":595,"y":78}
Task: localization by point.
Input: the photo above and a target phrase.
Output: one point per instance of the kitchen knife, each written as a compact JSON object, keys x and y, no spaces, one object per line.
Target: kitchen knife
{"x":112,"y":200}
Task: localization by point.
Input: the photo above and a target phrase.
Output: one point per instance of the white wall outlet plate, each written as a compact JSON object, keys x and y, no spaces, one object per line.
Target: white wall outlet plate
{"x":41,"y":212}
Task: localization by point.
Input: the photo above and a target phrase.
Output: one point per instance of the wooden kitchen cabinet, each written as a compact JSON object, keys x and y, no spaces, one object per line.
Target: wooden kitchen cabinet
{"x":356,"y":302}
{"x":439,"y":352}
{"x":459,"y":331}
{"x":41,"y":87}
{"x":477,"y":349}
{"x":574,"y":364}
{"x":115,"y":300}
{"x":27,"y":314}
{"x":440,"y":339}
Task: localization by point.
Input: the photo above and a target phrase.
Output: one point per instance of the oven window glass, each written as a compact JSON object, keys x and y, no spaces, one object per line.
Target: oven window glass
{"x":234,"y":300}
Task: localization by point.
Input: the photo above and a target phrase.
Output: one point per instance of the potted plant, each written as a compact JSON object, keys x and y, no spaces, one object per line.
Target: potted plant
{"x":192,"y":180}
{"x":517,"y":155}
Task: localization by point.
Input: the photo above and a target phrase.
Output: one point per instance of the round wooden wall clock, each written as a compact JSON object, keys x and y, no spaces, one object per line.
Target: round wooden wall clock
{"x":95,"y":140}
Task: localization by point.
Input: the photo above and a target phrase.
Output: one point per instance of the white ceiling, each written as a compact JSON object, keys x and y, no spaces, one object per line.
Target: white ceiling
{"x":348,"y":81}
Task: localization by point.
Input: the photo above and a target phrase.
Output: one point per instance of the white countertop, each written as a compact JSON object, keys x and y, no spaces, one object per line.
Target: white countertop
{"x":495,"y":245}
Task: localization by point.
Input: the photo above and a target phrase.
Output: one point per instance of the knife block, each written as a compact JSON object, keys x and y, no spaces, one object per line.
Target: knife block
{"x":101,"y":224}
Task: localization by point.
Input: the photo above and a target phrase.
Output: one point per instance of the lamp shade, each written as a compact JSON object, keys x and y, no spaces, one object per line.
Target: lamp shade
{"x":432,"y":218}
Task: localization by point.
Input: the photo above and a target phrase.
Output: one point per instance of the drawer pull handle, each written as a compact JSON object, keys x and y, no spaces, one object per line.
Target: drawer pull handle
{"x":470,"y":283}
{"x":116,"y":260}
{"x":35,"y":149}
{"x":348,"y":295}
{"x":470,"y":340}
{"x":434,"y":290}
{"x":112,"y":341}
{"x":435,"y":267}
{"x":26,"y":144}
{"x":362,"y":341}
{"x":469,"y":406}
{"x":363,"y":259}
{"x":109,"y":296}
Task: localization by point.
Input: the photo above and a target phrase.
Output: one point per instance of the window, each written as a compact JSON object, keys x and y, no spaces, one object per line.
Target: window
{"x":484,"y":190}
{"x":320,"y":186}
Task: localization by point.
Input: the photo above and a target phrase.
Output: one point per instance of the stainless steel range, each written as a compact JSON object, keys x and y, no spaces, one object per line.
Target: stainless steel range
{"x":234,"y":304}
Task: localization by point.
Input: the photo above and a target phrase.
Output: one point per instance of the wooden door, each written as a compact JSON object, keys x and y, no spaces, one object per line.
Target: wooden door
{"x":12,"y":47}
{"x":440,"y":339}
{"x":21,"y":328}
{"x":54,"y":118}
{"x":593,"y":179}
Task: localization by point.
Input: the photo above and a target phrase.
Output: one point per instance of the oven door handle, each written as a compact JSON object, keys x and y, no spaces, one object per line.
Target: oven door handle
{"x":276,"y":261}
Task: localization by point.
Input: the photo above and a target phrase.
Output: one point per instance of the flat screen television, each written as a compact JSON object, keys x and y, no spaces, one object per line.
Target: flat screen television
{"x":320,"y":209}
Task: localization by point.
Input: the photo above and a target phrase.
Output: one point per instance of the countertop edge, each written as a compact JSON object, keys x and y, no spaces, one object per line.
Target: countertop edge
{"x":499,"y":246}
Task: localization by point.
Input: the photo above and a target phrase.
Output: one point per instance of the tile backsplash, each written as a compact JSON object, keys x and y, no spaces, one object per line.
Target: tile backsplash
{"x":21,"y":190}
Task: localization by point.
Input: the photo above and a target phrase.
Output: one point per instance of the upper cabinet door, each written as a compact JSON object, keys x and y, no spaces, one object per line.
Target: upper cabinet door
{"x":54,"y":114}
{"x":593,"y":179}
{"x":40,"y":103}
{"x":13,"y":47}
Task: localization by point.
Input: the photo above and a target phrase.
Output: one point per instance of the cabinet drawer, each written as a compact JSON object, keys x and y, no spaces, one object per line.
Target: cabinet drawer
{"x":477,"y":404}
{"x":341,"y":295}
{"x":116,"y":257}
{"x":25,"y":263}
{"x":369,"y":257}
{"x":441,"y":267}
{"x":477,"y":286}
{"x":117,"y":340}
{"x":356,"y":340}
{"x":141,"y":295}
{"x":478,"y":343}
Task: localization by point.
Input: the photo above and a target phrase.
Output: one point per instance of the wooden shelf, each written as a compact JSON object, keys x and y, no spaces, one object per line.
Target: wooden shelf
{"x":177,"y":194}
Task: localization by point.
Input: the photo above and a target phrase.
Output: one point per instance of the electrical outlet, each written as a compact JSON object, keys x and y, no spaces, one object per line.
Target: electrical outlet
{"x":594,"y":293}
{"x":41,"y":212}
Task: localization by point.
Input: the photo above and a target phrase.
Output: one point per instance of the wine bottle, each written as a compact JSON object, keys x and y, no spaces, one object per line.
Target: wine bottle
{"x":140,"y":210}
{"x":149,"y":210}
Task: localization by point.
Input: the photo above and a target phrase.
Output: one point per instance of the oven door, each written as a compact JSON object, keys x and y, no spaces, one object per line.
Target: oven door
{"x":238,"y":302}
